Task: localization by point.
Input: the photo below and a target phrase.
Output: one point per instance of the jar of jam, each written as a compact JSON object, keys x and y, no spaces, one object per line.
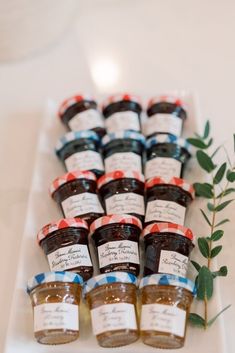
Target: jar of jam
{"x":55,"y":298}
{"x":116,"y":239}
{"x":76,"y":194}
{"x":166,"y":301}
{"x":167,"y":248}
{"x":80,"y":113}
{"x":167,"y":200}
{"x":123,"y":192}
{"x":112,"y":301}
{"x":79,"y":150}
{"x":65,"y":244}
{"x":166,"y":156}
{"x":123,"y":150}
{"x":166,"y":114}
{"x":122,"y":112}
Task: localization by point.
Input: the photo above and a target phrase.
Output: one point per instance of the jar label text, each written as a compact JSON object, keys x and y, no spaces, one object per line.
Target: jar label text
{"x":81,"y":204}
{"x":85,"y":160}
{"x":86,"y":120}
{"x":163,"y":167}
{"x":163,"y":123}
{"x":123,"y":161}
{"x":127,"y":120}
{"x":173,"y":263}
{"x":127,"y":202}
{"x":166,"y":211}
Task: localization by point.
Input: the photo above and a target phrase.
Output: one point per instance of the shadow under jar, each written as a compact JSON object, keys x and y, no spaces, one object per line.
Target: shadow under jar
{"x":112,"y":301}
{"x":116,"y":239}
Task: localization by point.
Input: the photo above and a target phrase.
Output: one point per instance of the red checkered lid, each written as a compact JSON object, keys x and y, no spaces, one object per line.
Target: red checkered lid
{"x":168,"y":228}
{"x":173,"y":181}
{"x":169,"y":98}
{"x":119,"y":174}
{"x":61,"y":224}
{"x":58,"y":182}
{"x":67,"y":103}
{"x":119,"y":98}
{"x":116,"y":218}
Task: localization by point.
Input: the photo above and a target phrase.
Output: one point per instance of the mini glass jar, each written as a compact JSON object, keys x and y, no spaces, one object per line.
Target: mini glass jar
{"x":55,"y":298}
{"x":167,"y":200}
{"x":116,"y":239}
{"x":167,"y":156}
{"x":122,"y":112}
{"x":167,"y":249}
{"x":166,"y":301}
{"x":81,"y":113}
{"x":112,"y":301}
{"x":123,"y":192}
{"x":123,"y":150}
{"x":76,"y":194}
{"x":65,"y":244}
{"x":80,"y":150}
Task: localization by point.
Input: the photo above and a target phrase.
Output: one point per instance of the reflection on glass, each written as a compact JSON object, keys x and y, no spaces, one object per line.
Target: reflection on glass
{"x":105,"y":73}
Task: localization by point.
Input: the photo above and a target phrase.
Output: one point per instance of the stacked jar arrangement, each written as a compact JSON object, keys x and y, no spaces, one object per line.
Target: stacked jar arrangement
{"x":104,"y":193}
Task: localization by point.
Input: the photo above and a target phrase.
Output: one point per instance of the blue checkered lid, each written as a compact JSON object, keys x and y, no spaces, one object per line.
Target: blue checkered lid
{"x":165,"y":138}
{"x":126,"y":134}
{"x":170,"y":280}
{"x":57,"y":276}
{"x":75,"y":135}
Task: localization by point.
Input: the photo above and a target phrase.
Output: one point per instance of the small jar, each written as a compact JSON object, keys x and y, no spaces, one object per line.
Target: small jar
{"x":167,"y":200}
{"x":167,"y":156}
{"x":76,"y":194}
{"x":123,"y":150}
{"x":116,"y":239}
{"x":122,"y":112}
{"x":123,"y":192}
{"x":65,"y":244}
{"x":167,"y":249}
{"x":81,"y":113}
{"x":81,"y":151}
{"x":165,"y":114}
{"x":166,"y":301}
{"x":55,"y":298}
{"x":112,"y":301}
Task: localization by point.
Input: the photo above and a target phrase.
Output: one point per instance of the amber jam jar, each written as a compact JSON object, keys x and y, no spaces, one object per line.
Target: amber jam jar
{"x":122,"y":112}
{"x":123,"y":150}
{"x":167,"y":200}
{"x":123,"y":192}
{"x":76,"y":194}
{"x":167,"y":248}
{"x":55,"y":298}
{"x":116,"y":239}
{"x":80,"y":113}
{"x":166,"y":301}
{"x":167,"y":156}
{"x":166,"y":114}
{"x":65,"y":244}
{"x":112,"y":301}
{"x":80,"y":150}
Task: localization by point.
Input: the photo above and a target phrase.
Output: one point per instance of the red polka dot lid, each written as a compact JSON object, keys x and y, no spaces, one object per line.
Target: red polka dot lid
{"x":181,"y":183}
{"x":119,"y":98}
{"x":168,"y":228}
{"x":169,"y":98}
{"x":67,"y":103}
{"x":119,"y":174}
{"x":120,"y":219}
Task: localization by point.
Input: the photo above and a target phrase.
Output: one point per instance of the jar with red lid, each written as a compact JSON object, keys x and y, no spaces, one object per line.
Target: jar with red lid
{"x":116,"y":239}
{"x":76,"y":195}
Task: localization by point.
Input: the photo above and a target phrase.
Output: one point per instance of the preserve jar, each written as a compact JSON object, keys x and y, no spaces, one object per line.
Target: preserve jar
{"x":116,"y":239}
{"x":76,"y":194}
{"x":65,"y":244}
{"x":167,"y":248}
{"x":167,"y":200}
{"x":80,"y":112}
{"x":123,"y":150}
{"x":167,"y":156}
{"x":165,"y":307}
{"x":55,"y":298}
{"x":80,"y":150}
{"x":112,"y":298}
{"x":123,"y":192}
{"x":122,"y":112}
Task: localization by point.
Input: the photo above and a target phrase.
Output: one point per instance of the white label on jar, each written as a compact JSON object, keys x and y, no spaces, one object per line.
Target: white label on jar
{"x":163,"y":167}
{"x":85,"y":160}
{"x":56,"y":316}
{"x":173,"y":263}
{"x":166,"y":211}
{"x":127,"y":202}
{"x":123,"y":121}
{"x":167,"y":123}
{"x":123,"y":161}
{"x":81,"y":204}
{"x":88,"y":119}
{"x":119,"y":251}
{"x":163,"y":318}
{"x":69,"y":257}
{"x":111,"y":317}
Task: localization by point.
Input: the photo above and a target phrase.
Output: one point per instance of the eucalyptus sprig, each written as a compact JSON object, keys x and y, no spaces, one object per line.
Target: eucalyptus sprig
{"x":219,"y":193}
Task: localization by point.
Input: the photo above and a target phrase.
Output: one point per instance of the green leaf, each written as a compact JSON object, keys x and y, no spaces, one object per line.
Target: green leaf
{"x":204,"y":190}
{"x":226,"y":192}
{"x":205,"y":161}
{"x":205,"y":217}
{"x":210,"y":207}
{"x":220,"y":173}
{"x":221,"y":206}
{"x":210,"y":322}
{"x":230,"y":176}
{"x":206,"y":130}
{"x":223,"y":271}
{"x":222,"y":222}
{"x":196,"y":320}
{"x":217,"y":235}
{"x":209,"y":142}
{"x":216,"y":151}
{"x":204,"y":284}
{"x":203,"y":247}
{"x":215,"y":251}
{"x":197,"y":143}
{"x":196,"y":265}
